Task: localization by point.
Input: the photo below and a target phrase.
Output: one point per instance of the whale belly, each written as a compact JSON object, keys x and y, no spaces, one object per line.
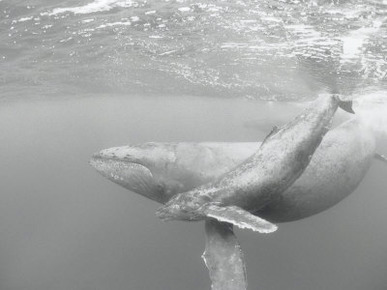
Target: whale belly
{"x":336,"y":169}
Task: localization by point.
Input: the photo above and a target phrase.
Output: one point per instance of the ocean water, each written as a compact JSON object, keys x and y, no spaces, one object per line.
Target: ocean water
{"x":256,"y":49}
{"x":80,"y":76}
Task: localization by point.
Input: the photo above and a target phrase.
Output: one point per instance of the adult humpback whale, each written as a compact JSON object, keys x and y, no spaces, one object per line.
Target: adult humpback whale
{"x":156,"y":172}
{"x":161,"y":170}
{"x":260,"y":179}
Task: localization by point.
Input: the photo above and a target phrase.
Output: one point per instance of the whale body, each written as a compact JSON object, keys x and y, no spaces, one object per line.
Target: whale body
{"x":336,"y":169}
{"x":279,"y":161}
{"x":261,"y":178}
{"x":159,"y":171}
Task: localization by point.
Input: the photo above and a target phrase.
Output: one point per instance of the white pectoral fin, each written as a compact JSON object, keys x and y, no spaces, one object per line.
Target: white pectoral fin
{"x":223,"y":257}
{"x":381,"y":157}
{"x":239,"y":217}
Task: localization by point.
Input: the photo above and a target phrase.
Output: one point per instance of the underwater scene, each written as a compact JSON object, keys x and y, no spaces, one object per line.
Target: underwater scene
{"x":78,"y":77}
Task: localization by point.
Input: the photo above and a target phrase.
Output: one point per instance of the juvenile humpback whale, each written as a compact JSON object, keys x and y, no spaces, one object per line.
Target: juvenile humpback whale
{"x":278,"y":162}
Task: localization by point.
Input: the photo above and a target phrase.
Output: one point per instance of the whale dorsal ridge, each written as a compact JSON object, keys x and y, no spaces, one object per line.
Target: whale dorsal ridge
{"x":272,"y":132}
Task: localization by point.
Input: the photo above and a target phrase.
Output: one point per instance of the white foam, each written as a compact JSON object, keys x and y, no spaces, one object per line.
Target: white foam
{"x":168,"y":52}
{"x":88,"y":20}
{"x":353,"y":43}
{"x":184,"y":9}
{"x":93,"y":7}
{"x":23,"y":19}
{"x":348,"y":13}
{"x":372,"y":109}
{"x":272,"y":19}
{"x":155,"y":36}
{"x":248,"y":21}
{"x":114,"y":24}
{"x":65,"y":39}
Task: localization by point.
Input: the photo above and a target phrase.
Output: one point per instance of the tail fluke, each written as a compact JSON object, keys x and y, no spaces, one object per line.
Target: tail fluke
{"x":223,"y":257}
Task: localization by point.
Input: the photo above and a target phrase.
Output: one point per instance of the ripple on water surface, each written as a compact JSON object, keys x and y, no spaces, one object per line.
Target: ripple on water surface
{"x":268,"y":49}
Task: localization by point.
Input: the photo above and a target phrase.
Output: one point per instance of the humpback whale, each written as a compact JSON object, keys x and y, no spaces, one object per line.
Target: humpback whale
{"x":159,"y":171}
{"x":278,"y":162}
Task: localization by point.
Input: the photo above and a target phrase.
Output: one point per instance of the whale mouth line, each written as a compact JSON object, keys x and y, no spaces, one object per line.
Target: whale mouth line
{"x":97,"y":160}
{"x":129,"y":159}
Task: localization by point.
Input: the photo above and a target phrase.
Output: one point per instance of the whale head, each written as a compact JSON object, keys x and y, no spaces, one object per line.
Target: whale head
{"x":161,"y":170}
{"x":131,"y":167}
{"x":143,"y":169}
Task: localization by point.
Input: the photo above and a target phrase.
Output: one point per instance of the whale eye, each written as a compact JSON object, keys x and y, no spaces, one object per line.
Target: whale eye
{"x":206,"y":198}
{"x":160,"y":187}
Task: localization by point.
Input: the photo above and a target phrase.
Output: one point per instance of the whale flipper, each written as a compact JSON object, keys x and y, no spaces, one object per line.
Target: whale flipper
{"x":239,"y":217}
{"x":223,"y":257}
